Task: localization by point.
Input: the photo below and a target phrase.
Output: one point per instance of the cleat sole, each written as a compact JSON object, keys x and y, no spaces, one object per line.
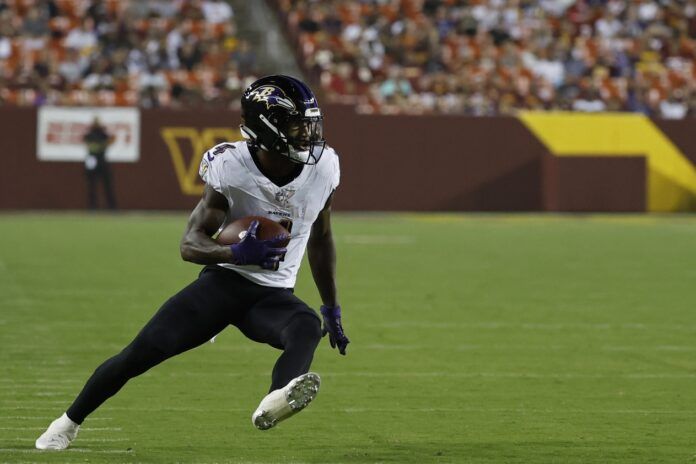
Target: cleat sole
{"x":264,"y":421}
{"x":284,"y":403}
{"x":303,"y":391}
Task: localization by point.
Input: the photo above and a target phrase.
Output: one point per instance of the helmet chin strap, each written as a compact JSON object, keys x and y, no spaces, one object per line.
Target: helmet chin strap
{"x":301,"y":156}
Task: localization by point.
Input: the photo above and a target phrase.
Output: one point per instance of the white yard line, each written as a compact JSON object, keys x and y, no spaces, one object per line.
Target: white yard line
{"x":26,"y":387}
{"x":399,"y":410}
{"x":514,"y":410}
{"x":224,"y":374}
{"x":377,"y":239}
{"x":406,"y":374}
{"x":41,"y":404}
{"x":82,"y":440}
{"x":535,"y":375}
{"x":44,"y":428}
{"x":179,"y":409}
{"x":448,"y":374}
{"x":10,"y":381}
{"x":493,"y":325}
{"x":67,"y":451}
{"x":26,"y":417}
{"x":520,"y":347}
{"x":27,"y":408}
{"x":37,"y":405}
{"x":46,"y":417}
{"x":675,"y":348}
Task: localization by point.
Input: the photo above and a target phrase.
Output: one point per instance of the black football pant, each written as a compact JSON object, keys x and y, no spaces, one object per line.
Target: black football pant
{"x":199,"y":312}
{"x":100,"y":175}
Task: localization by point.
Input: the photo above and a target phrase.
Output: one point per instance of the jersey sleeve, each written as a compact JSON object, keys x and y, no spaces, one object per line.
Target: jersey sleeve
{"x":211,"y":168}
{"x":335,"y":174}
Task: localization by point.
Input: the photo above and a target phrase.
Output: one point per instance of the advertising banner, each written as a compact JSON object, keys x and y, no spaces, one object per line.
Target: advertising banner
{"x":61,"y":130}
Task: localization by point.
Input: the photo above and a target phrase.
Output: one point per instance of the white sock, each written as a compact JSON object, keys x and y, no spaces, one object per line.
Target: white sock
{"x":66,"y":422}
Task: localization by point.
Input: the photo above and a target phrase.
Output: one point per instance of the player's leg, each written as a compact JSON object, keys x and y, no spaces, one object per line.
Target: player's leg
{"x":299,"y":339}
{"x":283,"y":321}
{"x":188,"y":319}
{"x":91,"y":189}
{"x":107,"y":180}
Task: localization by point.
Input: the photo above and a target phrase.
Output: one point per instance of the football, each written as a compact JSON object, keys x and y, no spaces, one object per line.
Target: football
{"x":268,"y":230}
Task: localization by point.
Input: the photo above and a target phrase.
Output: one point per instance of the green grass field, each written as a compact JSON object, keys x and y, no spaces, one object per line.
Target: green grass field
{"x":475,"y":338}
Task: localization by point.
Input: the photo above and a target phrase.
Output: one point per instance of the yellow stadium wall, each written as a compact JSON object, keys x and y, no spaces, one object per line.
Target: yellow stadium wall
{"x":671,"y":176}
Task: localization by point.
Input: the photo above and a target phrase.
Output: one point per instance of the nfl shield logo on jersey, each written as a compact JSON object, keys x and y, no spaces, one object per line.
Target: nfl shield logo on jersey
{"x":283,"y":196}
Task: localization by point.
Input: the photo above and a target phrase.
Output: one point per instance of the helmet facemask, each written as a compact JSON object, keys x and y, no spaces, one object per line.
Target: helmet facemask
{"x":305,"y":140}
{"x":299,"y":138}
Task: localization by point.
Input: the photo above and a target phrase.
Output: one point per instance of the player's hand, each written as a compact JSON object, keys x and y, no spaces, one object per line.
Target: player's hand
{"x":264,"y":253}
{"x":333,"y":327}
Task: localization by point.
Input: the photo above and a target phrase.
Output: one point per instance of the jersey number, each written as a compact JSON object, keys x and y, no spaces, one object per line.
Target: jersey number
{"x":218,"y":150}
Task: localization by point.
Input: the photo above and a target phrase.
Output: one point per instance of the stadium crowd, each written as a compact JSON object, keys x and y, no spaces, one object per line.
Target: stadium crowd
{"x":476,"y":57}
{"x":488,"y":57}
{"x":122,"y":52}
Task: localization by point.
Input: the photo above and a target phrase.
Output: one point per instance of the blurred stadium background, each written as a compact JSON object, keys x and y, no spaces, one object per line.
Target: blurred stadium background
{"x":476,"y":337}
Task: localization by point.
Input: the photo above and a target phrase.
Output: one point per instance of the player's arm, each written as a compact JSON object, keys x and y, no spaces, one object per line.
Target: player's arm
{"x":321,"y":253}
{"x":197,"y":246}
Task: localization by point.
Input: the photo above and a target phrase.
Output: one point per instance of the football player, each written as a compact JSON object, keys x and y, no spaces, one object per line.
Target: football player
{"x":283,"y":170}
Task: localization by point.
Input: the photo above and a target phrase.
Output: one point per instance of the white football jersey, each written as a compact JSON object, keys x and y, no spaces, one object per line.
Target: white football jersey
{"x":230,"y":169}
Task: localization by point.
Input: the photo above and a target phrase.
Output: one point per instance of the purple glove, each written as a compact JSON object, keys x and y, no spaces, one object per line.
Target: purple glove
{"x":332,"y":326}
{"x":265,"y":253}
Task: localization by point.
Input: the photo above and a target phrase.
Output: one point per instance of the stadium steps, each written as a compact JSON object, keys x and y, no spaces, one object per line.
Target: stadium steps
{"x":258,"y":23}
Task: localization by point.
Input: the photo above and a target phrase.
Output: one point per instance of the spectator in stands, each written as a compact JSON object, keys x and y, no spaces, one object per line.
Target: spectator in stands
{"x":483,"y":57}
{"x":153,"y":78}
{"x":73,"y":66}
{"x":99,"y":76}
{"x":395,"y":89}
{"x":140,"y":9}
{"x":99,"y":13}
{"x":107,"y":52}
{"x":502,"y":56}
{"x":82,"y":38}
{"x":217,"y":11}
{"x":189,"y":54}
{"x":245,"y":58}
{"x":191,"y":9}
{"x":6,"y":34}
{"x":589,"y":101}
{"x":674,"y":106}
{"x":35,"y":23}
